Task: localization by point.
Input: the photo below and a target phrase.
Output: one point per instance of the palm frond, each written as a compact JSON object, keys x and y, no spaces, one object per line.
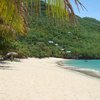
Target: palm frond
{"x":13,"y":13}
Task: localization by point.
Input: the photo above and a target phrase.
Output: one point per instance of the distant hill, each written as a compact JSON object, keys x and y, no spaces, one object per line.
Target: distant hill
{"x":83,"y":40}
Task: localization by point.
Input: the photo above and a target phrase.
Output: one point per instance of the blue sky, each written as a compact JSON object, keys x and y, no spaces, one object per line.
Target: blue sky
{"x":93,"y":7}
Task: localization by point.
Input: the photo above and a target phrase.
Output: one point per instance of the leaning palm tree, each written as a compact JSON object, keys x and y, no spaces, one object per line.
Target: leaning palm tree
{"x":13,"y":13}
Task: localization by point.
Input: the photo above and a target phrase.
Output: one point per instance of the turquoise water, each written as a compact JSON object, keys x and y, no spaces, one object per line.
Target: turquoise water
{"x":84,"y":64}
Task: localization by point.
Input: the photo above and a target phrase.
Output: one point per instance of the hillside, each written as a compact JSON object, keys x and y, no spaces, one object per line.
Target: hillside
{"x":47,"y":38}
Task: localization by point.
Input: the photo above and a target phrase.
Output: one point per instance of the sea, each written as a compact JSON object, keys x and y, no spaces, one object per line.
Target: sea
{"x":85,"y":66}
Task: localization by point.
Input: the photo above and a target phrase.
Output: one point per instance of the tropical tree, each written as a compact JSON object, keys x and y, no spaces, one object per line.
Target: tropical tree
{"x":11,"y":17}
{"x":13,"y":13}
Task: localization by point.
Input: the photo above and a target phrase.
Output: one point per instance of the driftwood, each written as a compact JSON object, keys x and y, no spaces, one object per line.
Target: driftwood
{"x":10,"y":56}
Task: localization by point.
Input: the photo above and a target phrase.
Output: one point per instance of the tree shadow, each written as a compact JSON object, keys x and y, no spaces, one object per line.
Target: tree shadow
{"x":5,"y":68}
{"x":4,"y":65}
{"x":3,"y":62}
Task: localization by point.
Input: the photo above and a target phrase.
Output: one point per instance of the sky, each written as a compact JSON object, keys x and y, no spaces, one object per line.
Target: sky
{"x":93,"y":7}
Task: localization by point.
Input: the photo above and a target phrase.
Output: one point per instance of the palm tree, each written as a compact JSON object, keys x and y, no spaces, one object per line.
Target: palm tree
{"x":11,"y":17}
{"x":13,"y":13}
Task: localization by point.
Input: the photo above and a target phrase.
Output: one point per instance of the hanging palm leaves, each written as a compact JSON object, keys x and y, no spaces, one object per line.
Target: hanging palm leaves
{"x":13,"y":13}
{"x":11,"y":18}
{"x":56,"y":8}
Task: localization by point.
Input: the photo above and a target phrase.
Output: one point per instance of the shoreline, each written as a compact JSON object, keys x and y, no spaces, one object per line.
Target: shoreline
{"x":86,"y":72}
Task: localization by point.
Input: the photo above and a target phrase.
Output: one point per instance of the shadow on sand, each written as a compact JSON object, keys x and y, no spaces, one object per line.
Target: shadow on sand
{"x":4,"y":65}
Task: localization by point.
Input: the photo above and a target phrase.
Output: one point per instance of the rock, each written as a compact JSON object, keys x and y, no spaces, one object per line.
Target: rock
{"x":10,"y":56}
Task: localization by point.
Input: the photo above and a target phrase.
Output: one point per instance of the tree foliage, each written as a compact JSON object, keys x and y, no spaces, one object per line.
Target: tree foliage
{"x":11,"y":19}
{"x":13,"y":13}
{"x":47,"y":22}
{"x":83,"y":41}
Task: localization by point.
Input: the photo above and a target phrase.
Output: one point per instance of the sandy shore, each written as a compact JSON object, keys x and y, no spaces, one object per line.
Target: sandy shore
{"x":91,"y":73}
{"x":43,"y":79}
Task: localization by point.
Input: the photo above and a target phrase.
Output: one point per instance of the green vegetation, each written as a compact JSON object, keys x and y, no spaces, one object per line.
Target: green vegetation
{"x":53,"y":37}
{"x":83,"y":40}
{"x":14,"y":13}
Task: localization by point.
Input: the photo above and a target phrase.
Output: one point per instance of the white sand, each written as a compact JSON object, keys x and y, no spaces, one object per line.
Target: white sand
{"x":42,"y":79}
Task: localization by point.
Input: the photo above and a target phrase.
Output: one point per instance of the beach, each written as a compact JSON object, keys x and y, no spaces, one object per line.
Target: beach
{"x":44,"y":79}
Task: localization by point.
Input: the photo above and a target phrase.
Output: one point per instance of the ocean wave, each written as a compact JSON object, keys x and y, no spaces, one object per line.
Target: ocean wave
{"x":87,"y":71}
